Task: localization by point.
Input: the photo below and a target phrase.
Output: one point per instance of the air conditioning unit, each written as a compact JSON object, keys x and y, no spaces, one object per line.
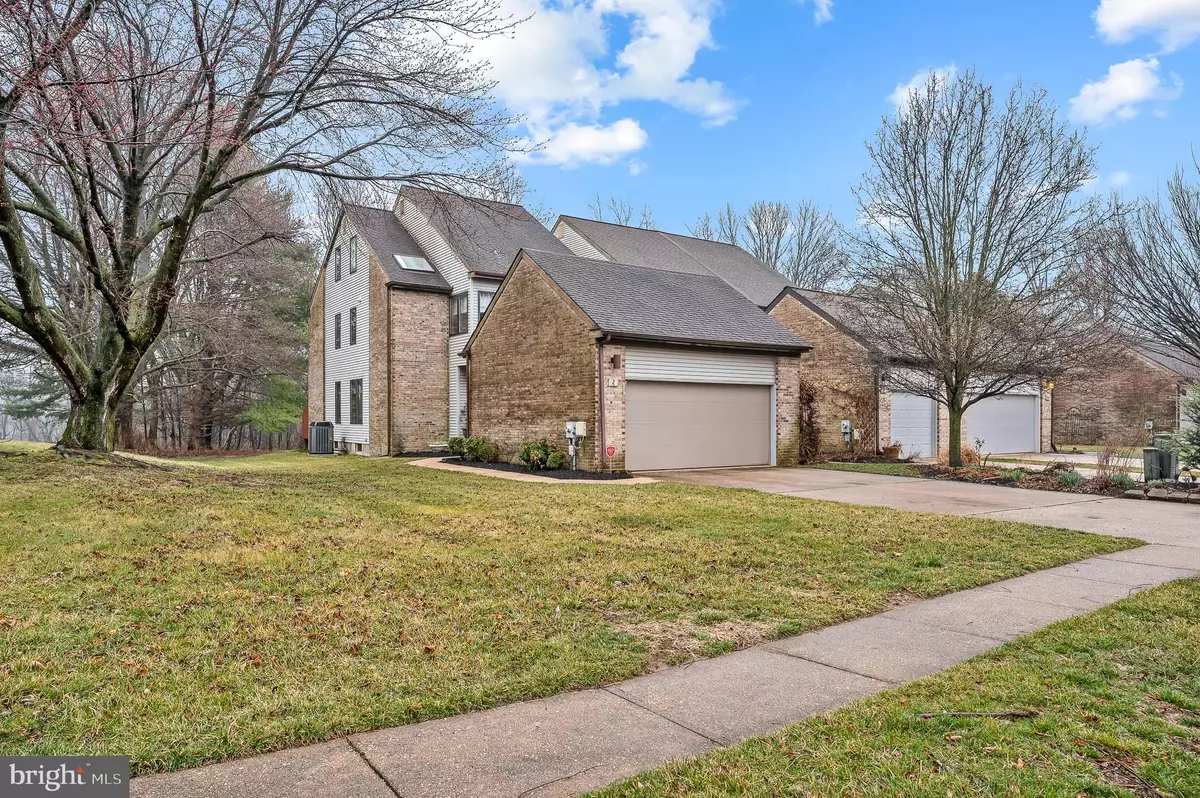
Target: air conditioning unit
{"x":320,"y":437}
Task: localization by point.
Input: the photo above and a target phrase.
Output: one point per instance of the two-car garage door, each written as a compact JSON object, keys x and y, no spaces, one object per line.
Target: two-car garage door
{"x":697,"y":410}
{"x":1007,"y":424}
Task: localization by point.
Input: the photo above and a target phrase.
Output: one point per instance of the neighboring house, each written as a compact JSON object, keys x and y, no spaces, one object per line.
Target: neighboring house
{"x":398,"y":295}
{"x":668,"y":368}
{"x":1112,"y":406}
{"x":844,"y":370}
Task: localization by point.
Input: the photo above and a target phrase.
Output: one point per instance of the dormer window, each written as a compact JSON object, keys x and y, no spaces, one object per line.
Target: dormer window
{"x":413,"y":263}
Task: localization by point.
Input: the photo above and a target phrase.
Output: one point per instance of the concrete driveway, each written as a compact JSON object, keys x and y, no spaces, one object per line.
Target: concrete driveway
{"x":1154,"y":522}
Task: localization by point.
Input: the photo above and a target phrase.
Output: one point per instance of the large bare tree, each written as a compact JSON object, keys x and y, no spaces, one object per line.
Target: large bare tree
{"x":970,"y":255}
{"x":1153,"y":260}
{"x":123,"y":123}
{"x":768,"y":231}
{"x":816,"y":256}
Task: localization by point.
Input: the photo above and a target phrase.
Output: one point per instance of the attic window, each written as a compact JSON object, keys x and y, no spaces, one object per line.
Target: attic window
{"x":413,"y":264}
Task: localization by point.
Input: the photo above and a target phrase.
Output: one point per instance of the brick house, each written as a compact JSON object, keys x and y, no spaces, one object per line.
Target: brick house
{"x":668,"y":369}
{"x":1146,"y":383}
{"x":397,"y":297}
{"x":851,"y":383}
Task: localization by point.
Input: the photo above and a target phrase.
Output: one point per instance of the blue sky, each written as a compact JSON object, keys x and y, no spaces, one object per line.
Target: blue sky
{"x":686,"y":104}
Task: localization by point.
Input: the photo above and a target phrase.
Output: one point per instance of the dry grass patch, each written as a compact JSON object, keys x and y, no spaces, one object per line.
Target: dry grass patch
{"x":247,"y":604}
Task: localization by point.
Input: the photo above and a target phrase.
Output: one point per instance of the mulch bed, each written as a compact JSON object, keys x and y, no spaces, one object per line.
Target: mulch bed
{"x":1030,"y":480}
{"x":563,"y":473}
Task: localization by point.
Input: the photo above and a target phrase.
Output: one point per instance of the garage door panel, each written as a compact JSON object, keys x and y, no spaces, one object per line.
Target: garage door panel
{"x":1006,"y":424}
{"x":913,"y":421}
{"x":692,"y":425}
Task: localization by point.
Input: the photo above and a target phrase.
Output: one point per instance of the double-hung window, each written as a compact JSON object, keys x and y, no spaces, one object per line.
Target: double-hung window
{"x":356,"y":400}
{"x":458,"y":313}
{"x":353,"y":326}
{"x":485,"y":301}
{"x":337,"y":331}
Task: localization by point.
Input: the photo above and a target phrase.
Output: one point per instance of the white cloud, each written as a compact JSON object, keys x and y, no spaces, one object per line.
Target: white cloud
{"x":822,"y":10}
{"x":1117,"y":96}
{"x":573,"y":144}
{"x":902,"y":94}
{"x":558,"y":71}
{"x":1119,"y":179}
{"x":1175,"y":23}
{"x":637,"y":167}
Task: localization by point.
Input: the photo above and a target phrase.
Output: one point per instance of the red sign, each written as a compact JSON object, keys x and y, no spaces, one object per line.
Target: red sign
{"x":612,"y":450}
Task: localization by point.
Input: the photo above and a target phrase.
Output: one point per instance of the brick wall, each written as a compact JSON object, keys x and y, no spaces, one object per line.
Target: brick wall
{"x":532,"y":368}
{"x":1112,"y":405}
{"x":316,"y":354}
{"x":614,"y":407}
{"x":841,"y":371}
{"x":420,"y":373}
{"x":378,"y":340}
{"x":788,"y":374}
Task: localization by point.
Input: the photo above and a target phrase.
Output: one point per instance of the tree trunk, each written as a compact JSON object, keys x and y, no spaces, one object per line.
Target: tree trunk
{"x":956,"y":417}
{"x":92,"y":422}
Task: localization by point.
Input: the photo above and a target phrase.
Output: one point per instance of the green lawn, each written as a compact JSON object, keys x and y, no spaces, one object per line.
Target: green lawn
{"x":891,"y":469}
{"x":1118,"y":692}
{"x":237,"y":605}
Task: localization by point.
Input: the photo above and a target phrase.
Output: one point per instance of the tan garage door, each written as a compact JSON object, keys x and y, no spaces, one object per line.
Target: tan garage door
{"x":692,"y":425}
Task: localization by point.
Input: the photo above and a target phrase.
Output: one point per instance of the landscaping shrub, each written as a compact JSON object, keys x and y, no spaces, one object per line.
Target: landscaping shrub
{"x":892,"y":452}
{"x":1016,"y":475}
{"x":557,"y":461}
{"x":970,"y":456}
{"x":480,"y":450}
{"x":1121,"y":480}
{"x":1070,"y":479}
{"x":1186,"y":442}
{"x":536,"y":454}
{"x":457,"y":446}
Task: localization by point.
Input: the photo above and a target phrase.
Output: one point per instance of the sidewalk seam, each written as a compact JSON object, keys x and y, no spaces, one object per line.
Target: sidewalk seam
{"x":685,"y":727}
{"x":888,"y":683}
{"x":371,"y":765}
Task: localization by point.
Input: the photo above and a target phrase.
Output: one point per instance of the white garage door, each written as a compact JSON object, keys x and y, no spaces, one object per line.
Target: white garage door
{"x":694,"y":425}
{"x":914,"y":422}
{"x":1006,"y":424}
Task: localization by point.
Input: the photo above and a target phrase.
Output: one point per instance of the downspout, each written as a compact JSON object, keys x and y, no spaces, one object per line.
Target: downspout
{"x":600,"y":439}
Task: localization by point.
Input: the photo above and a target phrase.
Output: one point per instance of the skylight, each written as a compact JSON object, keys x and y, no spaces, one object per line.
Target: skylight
{"x":413,"y":264}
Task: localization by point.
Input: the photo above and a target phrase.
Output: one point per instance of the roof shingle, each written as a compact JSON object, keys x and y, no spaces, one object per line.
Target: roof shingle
{"x":386,"y":237}
{"x":486,"y":235}
{"x":655,"y":304}
{"x":672,"y":252}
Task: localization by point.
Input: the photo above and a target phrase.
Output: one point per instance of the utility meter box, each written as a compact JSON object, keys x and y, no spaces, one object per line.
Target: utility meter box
{"x":846,"y":426}
{"x":580,"y":429}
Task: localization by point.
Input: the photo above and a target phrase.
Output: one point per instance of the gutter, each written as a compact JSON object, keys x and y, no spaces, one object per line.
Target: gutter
{"x":715,"y":344}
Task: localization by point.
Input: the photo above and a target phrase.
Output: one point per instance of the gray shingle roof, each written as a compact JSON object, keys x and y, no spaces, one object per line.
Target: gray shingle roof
{"x":1172,"y":360}
{"x":657,"y":250}
{"x":386,"y":237}
{"x":655,"y":304}
{"x":486,"y":235}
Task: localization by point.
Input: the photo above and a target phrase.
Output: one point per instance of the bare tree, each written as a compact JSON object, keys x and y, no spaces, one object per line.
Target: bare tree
{"x":969,"y":255}
{"x":124,"y":123}
{"x":1153,"y":260}
{"x":816,"y":258}
{"x":768,"y":226}
{"x":618,"y":210}
{"x":729,"y":225}
{"x":703,"y":228}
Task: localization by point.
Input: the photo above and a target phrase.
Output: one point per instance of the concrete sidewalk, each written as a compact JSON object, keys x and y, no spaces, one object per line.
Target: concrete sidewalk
{"x":580,"y":741}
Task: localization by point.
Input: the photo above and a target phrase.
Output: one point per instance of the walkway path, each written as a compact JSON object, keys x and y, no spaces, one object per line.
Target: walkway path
{"x":580,"y":741}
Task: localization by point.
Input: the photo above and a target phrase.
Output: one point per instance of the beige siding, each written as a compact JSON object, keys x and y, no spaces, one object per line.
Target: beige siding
{"x":577,"y":243}
{"x":349,"y":362}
